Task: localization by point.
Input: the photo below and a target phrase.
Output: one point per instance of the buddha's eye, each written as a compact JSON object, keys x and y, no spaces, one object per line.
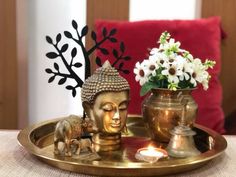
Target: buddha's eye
{"x":123,"y":107}
{"x":107,"y":107}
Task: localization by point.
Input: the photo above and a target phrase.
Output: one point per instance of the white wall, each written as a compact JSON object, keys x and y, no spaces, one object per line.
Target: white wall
{"x":164,"y":9}
{"x":50,"y":17}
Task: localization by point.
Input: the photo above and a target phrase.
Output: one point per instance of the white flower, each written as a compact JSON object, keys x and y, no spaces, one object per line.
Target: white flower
{"x":205,"y":84}
{"x":189,"y":56}
{"x":160,"y":58}
{"x":186,"y":68}
{"x":151,"y":66}
{"x":199,"y":74}
{"x":171,"y":45}
{"x":154,"y":51}
{"x":141,"y":73}
{"x":172,"y":71}
{"x":174,"y":44}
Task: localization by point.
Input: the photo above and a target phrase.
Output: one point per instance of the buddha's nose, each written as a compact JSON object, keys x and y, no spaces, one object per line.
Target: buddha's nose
{"x":116,"y":115}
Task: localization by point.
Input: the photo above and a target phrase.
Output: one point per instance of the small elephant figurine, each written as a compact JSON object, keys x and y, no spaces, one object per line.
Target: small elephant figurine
{"x":70,"y":128}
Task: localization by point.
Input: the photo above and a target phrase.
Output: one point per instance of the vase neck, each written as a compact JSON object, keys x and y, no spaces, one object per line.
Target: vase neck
{"x":167,"y":92}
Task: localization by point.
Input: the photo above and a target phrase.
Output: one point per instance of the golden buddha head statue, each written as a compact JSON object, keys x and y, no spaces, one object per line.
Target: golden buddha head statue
{"x":105,"y":98}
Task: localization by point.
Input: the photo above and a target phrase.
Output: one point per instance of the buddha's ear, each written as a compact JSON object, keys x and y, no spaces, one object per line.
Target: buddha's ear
{"x":87,"y":107}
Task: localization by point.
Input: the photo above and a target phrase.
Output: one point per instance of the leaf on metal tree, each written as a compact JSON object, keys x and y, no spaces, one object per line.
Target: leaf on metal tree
{"x":73,"y":52}
{"x":126,"y":71}
{"x":122,"y":47}
{"x":93,"y":36}
{"x":49,"y":39}
{"x":64,"y":47}
{"x":68,"y":34}
{"x":113,"y":39}
{"x":58,"y":38}
{"x":74,"y":92}
{"x":56,"y":66}
{"x":74,"y":24}
{"x":77,"y":65}
{"x":121,"y":65}
{"x":69,"y":87}
{"x":48,"y":70}
{"x":104,"y":51}
{"x":62,"y":81}
{"x":113,"y":31}
{"x":51,"y":79}
{"x":126,"y":58}
{"x":84,"y":31}
{"x":104,"y":32}
{"x":115,"y":53}
{"x":52,"y":55}
{"x":98,"y":61}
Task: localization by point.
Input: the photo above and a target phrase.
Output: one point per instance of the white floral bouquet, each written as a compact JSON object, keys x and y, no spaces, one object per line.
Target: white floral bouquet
{"x":171,"y":67}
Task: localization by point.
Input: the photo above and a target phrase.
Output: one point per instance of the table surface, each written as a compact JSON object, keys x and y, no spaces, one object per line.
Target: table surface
{"x":15,"y":161}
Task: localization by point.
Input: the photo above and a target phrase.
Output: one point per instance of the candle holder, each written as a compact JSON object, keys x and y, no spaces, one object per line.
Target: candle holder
{"x":150,"y":154}
{"x":182,"y":144}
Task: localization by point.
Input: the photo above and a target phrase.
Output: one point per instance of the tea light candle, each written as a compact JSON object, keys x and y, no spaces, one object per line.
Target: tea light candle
{"x":150,"y":154}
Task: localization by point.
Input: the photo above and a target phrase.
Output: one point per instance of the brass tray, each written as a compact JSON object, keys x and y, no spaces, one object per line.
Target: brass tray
{"x":38,"y":140}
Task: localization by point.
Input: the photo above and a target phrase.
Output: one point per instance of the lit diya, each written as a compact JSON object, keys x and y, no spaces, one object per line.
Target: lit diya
{"x":150,"y":154}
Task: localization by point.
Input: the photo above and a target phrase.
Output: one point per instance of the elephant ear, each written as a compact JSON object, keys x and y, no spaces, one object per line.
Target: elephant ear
{"x":84,"y":124}
{"x":86,"y":119}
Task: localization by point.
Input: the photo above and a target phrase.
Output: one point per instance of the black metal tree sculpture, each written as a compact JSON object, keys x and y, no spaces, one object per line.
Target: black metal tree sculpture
{"x":72,"y":65}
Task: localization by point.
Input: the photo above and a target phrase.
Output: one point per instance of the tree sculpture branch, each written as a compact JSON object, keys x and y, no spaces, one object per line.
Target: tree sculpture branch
{"x":71,"y":66}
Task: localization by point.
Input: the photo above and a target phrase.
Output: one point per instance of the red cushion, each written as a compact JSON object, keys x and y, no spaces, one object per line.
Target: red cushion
{"x":201,"y":37}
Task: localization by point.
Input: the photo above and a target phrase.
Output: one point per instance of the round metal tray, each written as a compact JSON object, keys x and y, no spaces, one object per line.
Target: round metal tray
{"x":38,"y":140}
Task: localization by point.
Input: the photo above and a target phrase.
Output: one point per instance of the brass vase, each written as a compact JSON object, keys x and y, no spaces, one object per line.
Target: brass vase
{"x":162,"y":111}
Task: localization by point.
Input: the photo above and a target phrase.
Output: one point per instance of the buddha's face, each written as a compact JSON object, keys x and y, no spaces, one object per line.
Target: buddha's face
{"x":110,"y":111}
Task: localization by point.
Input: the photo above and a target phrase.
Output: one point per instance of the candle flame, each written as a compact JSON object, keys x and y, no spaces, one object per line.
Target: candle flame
{"x":151,"y":148}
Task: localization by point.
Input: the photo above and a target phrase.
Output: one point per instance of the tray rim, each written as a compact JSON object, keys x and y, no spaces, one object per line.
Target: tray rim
{"x":192,"y":162}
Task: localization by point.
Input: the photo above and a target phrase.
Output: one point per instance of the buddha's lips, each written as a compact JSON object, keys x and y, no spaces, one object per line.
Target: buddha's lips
{"x":116,"y":123}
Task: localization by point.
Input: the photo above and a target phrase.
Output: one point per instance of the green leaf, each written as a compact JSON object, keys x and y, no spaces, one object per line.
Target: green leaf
{"x":147,"y":87}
